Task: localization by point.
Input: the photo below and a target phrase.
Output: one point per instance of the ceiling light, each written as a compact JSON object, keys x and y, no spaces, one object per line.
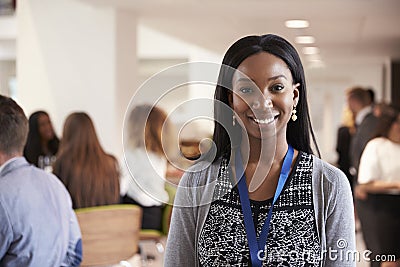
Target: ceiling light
{"x":310,"y":50}
{"x":315,"y":60}
{"x":304,"y":39}
{"x":313,"y":57}
{"x":297,"y":23}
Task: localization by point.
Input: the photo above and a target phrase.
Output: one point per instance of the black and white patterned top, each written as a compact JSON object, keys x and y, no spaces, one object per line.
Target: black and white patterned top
{"x":293,"y":238}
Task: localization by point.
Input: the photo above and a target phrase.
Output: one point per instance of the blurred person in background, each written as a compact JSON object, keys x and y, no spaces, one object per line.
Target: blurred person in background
{"x":37,"y":224}
{"x":371,"y":93}
{"x":378,"y":188}
{"x":382,"y":108}
{"x":147,"y":163}
{"x":360,"y":103}
{"x":42,"y":141}
{"x":344,"y":135}
{"x":87,"y":171}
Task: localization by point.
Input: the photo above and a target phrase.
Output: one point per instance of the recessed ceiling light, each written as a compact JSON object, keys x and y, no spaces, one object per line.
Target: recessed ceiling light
{"x":309,"y":50}
{"x":313,"y":57}
{"x":315,"y":60}
{"x":304,"y":39}
{"x":297,"y":23}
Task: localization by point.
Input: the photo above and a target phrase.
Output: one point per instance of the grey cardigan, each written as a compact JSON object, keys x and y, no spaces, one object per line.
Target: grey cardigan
{"x":333,"y":206}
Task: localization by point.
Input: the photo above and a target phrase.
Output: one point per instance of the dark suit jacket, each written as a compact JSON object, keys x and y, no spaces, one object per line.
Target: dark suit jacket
{"x":343,"y":148}
{"x":364,"y":133}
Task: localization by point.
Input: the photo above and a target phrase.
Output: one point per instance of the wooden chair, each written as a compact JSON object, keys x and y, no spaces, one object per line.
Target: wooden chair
{"x":110,"y":234}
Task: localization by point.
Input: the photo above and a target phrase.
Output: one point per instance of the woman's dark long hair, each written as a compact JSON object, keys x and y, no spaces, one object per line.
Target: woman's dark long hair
{"x":299,"y":132}
{"x":90,"y":175}
{"x":33,"y":148}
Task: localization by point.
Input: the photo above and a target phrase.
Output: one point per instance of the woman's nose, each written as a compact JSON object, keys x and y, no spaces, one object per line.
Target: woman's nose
{"x":268,"y":102}
{"x":262,"y":103}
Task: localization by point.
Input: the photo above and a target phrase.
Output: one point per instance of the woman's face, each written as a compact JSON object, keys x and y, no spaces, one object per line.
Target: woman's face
{"x":45,"y":128}
{"x":264,"y":95}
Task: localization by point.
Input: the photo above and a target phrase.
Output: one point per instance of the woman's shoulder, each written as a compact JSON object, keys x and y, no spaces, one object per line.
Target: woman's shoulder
{"x":327,"y":174}
{"x":381,"y":143}
{"x":201,"y":173}
{"x":378,"y":141}
{"x":377,"y":145}
{"x":323,"y":166}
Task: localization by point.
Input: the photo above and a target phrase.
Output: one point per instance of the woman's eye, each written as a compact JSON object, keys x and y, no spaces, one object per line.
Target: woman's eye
{"x":246,"y":90}
{"x":278,"y":87}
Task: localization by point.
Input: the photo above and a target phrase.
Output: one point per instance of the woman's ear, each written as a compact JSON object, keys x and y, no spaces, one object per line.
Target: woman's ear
{"x":296,"y":94}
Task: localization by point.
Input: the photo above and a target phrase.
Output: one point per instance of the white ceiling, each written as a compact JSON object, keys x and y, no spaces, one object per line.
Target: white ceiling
{"x":345,"y":30}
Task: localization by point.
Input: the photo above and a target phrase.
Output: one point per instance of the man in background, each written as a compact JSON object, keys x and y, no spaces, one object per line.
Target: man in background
{"x":37,"y":224}
{"x":360,"y":103}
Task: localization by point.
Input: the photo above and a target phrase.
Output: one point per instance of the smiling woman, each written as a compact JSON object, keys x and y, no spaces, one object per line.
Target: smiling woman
{"x":264,"y":199}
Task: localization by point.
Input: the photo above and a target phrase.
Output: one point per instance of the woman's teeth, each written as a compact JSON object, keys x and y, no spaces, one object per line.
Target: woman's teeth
{"x":266,"y":121}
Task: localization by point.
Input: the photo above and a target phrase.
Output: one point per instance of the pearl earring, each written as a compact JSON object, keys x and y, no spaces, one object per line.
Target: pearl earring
{"x":233,"y":120}
{"x":294,"y":116}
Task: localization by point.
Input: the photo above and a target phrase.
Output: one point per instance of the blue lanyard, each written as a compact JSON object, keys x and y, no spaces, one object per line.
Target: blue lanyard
{"x":257,"y":245}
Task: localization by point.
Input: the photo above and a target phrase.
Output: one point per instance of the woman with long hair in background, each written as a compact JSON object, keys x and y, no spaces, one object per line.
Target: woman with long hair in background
{"x":147,"y":163}
{"x":88,"y":172}
{"x":378,"y":190}
{"x":42,"y":140}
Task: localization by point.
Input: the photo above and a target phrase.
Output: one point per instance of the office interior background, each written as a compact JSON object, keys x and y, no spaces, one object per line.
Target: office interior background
{"x":93,"y":55}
